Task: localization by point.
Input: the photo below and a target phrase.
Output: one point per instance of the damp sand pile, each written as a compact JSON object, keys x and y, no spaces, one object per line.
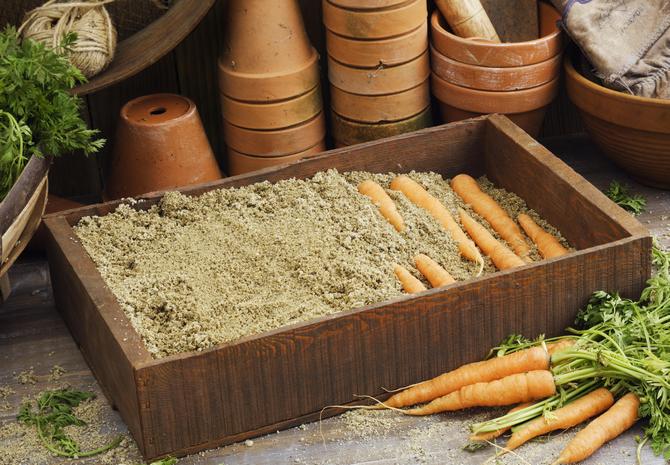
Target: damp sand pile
{"x":194,"y":272}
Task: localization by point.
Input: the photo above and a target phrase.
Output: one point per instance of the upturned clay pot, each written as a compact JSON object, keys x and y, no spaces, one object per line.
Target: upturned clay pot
{"x":375,"y":24}
{"x":278,"y":142}
{"x":381,"y":80}
{"x":485,"y":53}
{"x":266,"y":53}
{"x":273,"y":115}
{"x":160,"y":144}
{"x":380,"y":108}
{"x":346,"y":132}
{"x":374,"y":53}
{"x":239,"y":163}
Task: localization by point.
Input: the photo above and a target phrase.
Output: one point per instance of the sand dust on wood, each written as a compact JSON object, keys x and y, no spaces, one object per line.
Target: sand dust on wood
{"x":193,"y":272}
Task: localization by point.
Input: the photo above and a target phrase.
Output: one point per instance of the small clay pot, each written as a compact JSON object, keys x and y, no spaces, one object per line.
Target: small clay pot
{"x":375,"y":53}
{"x":502,"y":55}
{"x":375,"y":24}
{"x":160,"y":144}
{"x":381,"y":80}
{"x":273,"y":115}
{"x":380,"y":108}
{"x":239,"y":163}
{"x":278,"y":142}
{"x":346,"y":132}
{"x":494,"y":79}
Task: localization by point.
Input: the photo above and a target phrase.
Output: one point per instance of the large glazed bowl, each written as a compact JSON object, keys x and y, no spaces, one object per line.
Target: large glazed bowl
{"x":633,"y":131}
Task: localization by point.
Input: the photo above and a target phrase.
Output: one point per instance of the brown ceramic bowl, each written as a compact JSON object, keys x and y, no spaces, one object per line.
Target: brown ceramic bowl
{"x":494,"y":79}
{"x":347,"y":132}
{"x":379,"y":81}
{"x":380,"y":108}
{"x":239,"y":163}
{"x":375,"y":24}
{"x":633,"y":131}
{"x":500,"y":55}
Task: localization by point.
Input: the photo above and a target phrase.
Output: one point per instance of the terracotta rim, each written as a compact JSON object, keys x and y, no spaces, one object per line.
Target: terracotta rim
{"x":480,"y":53}
{"x":494,"y":79}
{"x":367,"y":4}
{"x":347,"y":132}
{"x":380,"y":108}
{"x":275,"y":143}
{"x":379,"y":81}
{"x":372,"y":53}
{"x":273,"y":115}
{"x":483,"y":101}
{"x":271,"y":86}
{"x":158,"y":110}
{"x":378,"y":24}
{"x":239,"y":163}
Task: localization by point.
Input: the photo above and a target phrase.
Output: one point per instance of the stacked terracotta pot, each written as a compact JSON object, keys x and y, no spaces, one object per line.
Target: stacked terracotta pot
{"x":473,"y":76}
{"x":269,"y":86}
{"x":378,"y":67}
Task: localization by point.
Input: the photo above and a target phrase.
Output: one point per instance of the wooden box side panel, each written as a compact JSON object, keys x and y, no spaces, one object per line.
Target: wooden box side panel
{"x":236,"y":391}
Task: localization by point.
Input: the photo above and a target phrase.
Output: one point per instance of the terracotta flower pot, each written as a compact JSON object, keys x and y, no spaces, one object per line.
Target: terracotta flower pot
{"x":373,"y":53}
{"x":381,"y":80}
{"x":266,"y":54}
{"x":239,"y":163}
{"x":633,"y":131}
{"x":273,"y":115}
{"x":380,"y":108}
{"x":277,"y":142}
{"x":495,"y":79}
{"x":485,"y":53}
{"x":347,"y":132}
{"x":375,"y":24}
{"x":160,"y":144}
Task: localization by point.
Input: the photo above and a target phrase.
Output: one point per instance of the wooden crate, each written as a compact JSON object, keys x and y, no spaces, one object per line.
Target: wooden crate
{"x":189,"y":402}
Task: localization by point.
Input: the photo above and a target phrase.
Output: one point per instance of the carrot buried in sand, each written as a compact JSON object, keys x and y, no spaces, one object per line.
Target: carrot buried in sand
{"x":467,"y":188}
{"x":500,"y":255}
{"x":385,"y":203}
{"x":547,"y":245}
{"x":432,"y":271}
{"x":483,"y":437}
{"x":420,"y":197}
{"x":410,"y":284}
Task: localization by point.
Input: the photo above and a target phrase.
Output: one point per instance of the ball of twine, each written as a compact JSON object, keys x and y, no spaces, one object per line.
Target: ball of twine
{"x":94,"y":48}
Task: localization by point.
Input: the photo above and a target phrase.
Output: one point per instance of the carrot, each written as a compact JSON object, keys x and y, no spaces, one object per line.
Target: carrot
{"x":409,"y":282}
{"x":481,"y":437}
{"x":382,"y":200}
{"x":434,"y":273}
{"x":565,"y":417}
{"x":500,"y":255}
{"x":535,"y":358}
{"x":547,"y":245}
{"x":563,"y":344}
{"x":621,"y":416}
{"x":520,"y":387}
{"x":420,"y":197}
{"x":468,"y":189}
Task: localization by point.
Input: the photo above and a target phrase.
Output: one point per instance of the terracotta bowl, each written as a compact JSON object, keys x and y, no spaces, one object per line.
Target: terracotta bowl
{"x":381,"y":80}
{"x":278,"y":142}
{"x":495,"y":79}
{"x":239,"y":163}
{"x":501,"y":55}
{"x":382,"y":23}
{"x":380,"y":108}
{"x":347,"y":132}
{"x":373,"y":53}
{"x":633,"y":131}
{"x":273,"y":115}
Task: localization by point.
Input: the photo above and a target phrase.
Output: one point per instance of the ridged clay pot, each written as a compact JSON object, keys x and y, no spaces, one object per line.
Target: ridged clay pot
{"x":380,"y":108}
{"x":278,"y":142}
{"x":375,"y":24}
{"x":266,"y":55}
{"x":346,"y":132}
{"x":239,"y":163}
{"x":502,"y":55}
{"x":633,"y":131}
{"x":160,"y":144}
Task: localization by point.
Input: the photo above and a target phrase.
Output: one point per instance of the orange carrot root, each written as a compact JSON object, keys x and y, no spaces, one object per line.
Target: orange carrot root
{"x":483,"y":437}
{"x":500,"y":255}
{"x":385,"y":203}
{"x":432,"y":271}
{"x":410,"y":284}
{"x":547,"y":245}
{"x":563,"y":344}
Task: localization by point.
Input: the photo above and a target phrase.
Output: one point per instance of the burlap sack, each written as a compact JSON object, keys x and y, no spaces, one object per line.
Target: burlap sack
{"x":626,"y":41}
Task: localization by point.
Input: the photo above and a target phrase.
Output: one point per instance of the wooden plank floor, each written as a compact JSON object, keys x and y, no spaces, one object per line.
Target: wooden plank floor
{"x":33,"y":336}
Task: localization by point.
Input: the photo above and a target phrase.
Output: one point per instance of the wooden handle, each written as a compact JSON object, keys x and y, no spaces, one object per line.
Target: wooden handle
{"x":467,"y":18}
